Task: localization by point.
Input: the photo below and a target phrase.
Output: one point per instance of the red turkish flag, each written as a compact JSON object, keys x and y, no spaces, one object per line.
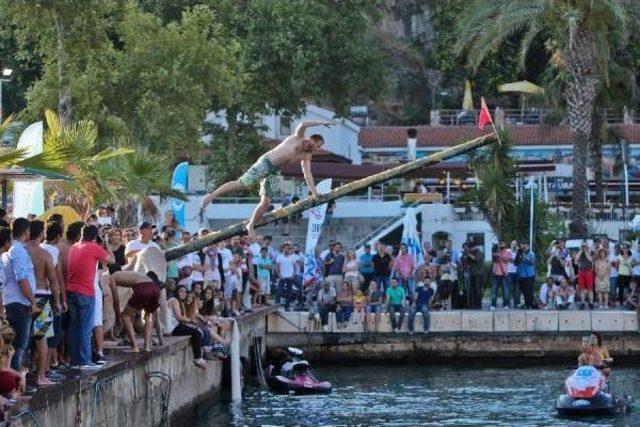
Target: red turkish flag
{"x":485,"y":116}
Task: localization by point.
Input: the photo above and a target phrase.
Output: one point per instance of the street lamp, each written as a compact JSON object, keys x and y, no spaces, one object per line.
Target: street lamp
{"x":531,"y":185}
{"x":6,"y":72}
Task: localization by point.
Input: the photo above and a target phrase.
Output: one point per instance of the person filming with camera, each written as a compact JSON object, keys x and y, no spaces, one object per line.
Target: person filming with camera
{"x":526,"y":262}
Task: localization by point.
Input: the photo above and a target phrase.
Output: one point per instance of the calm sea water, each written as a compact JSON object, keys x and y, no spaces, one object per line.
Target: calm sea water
{"x":415,"y":395}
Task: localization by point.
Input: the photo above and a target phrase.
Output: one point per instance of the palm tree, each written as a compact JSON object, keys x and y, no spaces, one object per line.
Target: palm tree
{"x":579,"y":35}
{"x":115,"y":175}
{"x":496,"y":171}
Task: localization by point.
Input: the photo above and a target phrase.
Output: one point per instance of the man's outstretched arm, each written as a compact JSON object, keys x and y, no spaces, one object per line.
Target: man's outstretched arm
{"x":310,"y":123}
{"x":308,"y":177}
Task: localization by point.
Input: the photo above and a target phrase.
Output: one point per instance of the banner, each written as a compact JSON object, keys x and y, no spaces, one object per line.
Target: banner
{"x":179,"y":182}
{"x":28,"y":196}
{"x":410,"y":236}
{"x":316,"y":219}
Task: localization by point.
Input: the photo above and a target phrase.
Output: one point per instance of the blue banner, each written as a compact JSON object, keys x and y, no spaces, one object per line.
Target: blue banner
{"x":179,"y":182}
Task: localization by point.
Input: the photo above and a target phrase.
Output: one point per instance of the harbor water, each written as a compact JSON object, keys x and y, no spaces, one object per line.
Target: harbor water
{"x":421,"y":395}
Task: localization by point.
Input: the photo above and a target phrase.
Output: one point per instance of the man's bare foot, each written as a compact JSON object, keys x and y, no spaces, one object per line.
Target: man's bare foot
{"x":251,"y":232}
{"x":135,"y":350}
{"x":206,"y":200}
{"x":46,"y":383}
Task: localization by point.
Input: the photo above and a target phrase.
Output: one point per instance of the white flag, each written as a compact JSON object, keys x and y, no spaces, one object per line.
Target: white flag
{"x":316,"y":219}
{"x":28,"y":196}
{"x":410,"y":236}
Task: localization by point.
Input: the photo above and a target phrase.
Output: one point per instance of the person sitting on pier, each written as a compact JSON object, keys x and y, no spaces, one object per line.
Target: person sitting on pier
{"x":12,"y":383}
{"x":375,"y":299}
{"x":565,"y":295}
{"x":179,"y":324}
{"x":396,"y":298}
{"x":548,"y":292}
{"x":295,"y":148}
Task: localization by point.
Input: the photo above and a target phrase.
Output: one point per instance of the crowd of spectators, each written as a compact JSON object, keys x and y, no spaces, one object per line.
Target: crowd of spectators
{"x":67,"y":287}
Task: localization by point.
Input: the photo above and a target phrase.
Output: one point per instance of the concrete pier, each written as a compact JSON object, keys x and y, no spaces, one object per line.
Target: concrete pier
{"x":132,"y":389}
{"x":459,"y":335}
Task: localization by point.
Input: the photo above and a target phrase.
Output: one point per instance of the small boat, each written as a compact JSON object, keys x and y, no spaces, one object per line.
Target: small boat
{"x":295,"y":377}
{"x":587,"y":393}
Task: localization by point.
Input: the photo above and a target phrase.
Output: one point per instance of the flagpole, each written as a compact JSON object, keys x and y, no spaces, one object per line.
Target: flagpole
{"x":483,"y":105}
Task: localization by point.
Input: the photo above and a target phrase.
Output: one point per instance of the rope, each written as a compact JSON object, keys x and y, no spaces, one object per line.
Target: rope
{"x":23,"y":413}
{"x":96,"y":396}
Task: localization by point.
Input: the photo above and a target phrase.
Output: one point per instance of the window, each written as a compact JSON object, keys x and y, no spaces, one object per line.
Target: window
{"x":285,"y":125}
{"x":477,"y":239}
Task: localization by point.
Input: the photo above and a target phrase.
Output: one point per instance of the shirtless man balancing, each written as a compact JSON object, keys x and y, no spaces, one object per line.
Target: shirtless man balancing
{"x":295,"y":148}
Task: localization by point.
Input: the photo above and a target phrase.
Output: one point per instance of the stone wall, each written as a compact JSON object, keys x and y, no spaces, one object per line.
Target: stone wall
{"x":127,"y":393}
{"x":459,"y":347}
{"x":475,"y":321}
{"x":123,"y":394}
{"x":459,"y":334}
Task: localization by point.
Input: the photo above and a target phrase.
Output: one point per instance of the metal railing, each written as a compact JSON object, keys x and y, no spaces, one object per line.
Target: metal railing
{"x":386,"y":224}
{"x":394,"y":197}
{"x":604,"y":213}
{"x":527,"y":116}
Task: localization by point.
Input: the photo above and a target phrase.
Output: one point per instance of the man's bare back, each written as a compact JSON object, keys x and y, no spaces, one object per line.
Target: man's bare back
{"x":42,"y":266}
{"x":64,"y":246}
{"x":290,"y":151}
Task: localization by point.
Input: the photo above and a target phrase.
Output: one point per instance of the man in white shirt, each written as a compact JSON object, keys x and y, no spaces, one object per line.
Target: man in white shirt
{"x":285,"y":270}
{"x":226,"y":256}
{"x":254,"y":247}
{"x":142,"y":242}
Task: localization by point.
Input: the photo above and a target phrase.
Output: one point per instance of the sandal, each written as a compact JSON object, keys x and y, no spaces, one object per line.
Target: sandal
{"x":200,"y":363}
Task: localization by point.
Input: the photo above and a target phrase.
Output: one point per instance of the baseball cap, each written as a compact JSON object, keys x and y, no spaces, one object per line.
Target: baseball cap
{"x":146,"y":224}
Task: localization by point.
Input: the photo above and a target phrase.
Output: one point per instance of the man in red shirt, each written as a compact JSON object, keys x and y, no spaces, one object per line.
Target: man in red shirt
{"x":81,"y":271}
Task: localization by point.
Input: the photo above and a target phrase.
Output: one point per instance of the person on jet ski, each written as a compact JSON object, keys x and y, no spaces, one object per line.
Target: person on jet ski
{"x":590,"y":354}
{"x":601,"y":348}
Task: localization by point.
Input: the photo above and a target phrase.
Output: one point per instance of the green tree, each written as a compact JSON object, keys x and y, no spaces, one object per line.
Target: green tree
{"x":98,"y":176}
{"x":169,"y":76}
{"x":291,"y":52}
{"x":135,"y":77}
{"x":579,"y":34}
{"x":71,"y":37}
{"x":507,"y":216}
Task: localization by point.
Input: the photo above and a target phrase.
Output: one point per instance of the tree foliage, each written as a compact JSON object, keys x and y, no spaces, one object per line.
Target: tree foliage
{"x":150,"y":70}
{"x":124,"y":69}
{"x":580,"y":35}
{"x":290,"y":52}
{"x":501,"y":65}
{"x":113,"y":175}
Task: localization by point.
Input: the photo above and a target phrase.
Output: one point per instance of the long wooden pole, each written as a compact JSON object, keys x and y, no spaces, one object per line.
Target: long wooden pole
{"x":238,"y":229}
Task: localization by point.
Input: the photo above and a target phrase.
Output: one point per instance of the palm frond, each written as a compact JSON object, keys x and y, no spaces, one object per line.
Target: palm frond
{"x":10,"y":157}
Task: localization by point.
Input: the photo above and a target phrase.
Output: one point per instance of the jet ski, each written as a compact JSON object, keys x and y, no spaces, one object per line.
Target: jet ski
{"x":587,"y":393}
{"x":294,"y":376}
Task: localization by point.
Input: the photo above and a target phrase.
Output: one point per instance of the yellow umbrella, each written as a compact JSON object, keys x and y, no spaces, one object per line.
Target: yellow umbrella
{"x":69,"y":214}
{"x":467,"y":102}
{"x":523,"y":86}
